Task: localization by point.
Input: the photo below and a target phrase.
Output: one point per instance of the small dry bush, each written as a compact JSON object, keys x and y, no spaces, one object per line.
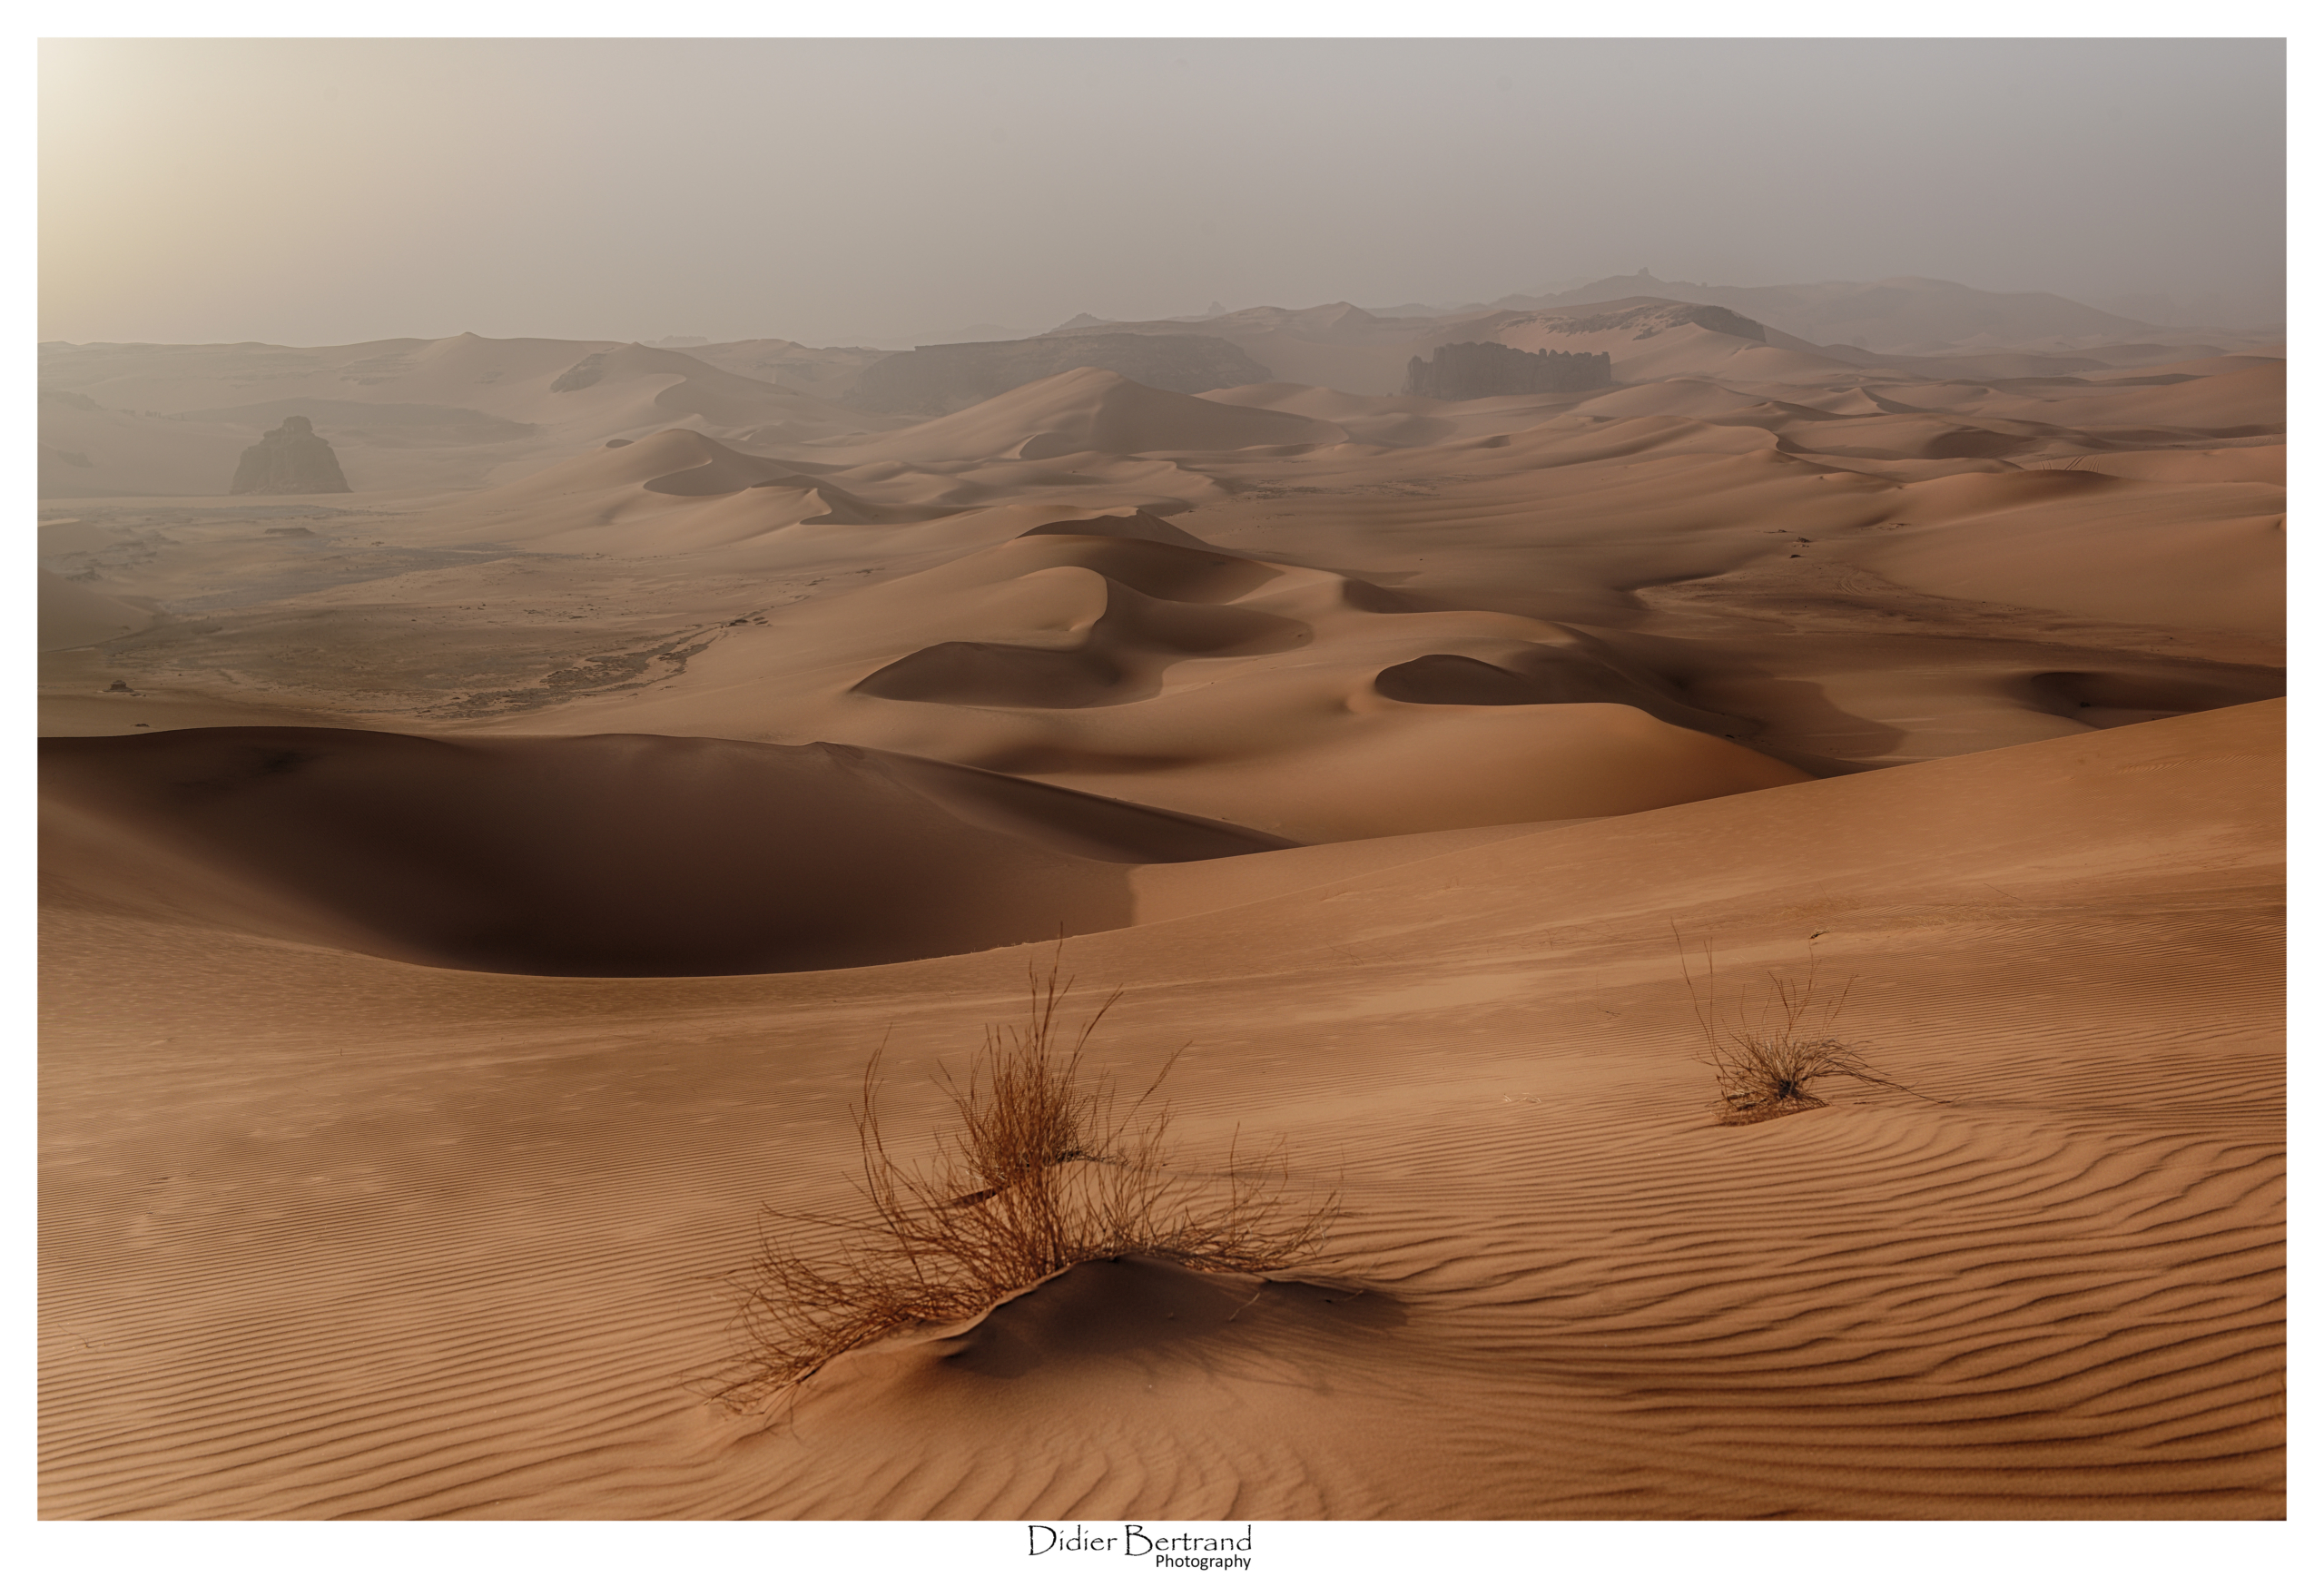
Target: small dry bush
{"x":1767,"y":1045}
{"x":1043,"y":1170}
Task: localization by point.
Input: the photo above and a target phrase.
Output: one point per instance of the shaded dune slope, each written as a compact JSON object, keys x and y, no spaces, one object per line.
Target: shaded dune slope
{"x":612,"y":855}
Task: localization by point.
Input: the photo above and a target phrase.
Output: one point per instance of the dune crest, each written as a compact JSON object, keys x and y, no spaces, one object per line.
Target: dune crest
{"x":1126,"y":658}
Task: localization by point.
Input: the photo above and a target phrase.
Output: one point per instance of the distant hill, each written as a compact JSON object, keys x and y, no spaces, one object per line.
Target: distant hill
{"x":460,"y":412}
{"x":827,"y":372}
{"x":1904,"y":314}
{"x":1342,"y":346}
{"x":938,"y":380}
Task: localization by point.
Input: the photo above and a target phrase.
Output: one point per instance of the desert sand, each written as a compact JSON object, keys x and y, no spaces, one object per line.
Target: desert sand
{"x":471,"y":899}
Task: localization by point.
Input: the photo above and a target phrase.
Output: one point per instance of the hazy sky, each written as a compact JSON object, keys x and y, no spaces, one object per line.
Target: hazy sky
{"x":333,"y":190}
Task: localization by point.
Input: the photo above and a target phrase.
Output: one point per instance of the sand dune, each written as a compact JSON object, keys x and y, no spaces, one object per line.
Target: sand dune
{"x":1649,"y":340}
{"x":689,"y":388}
{"x":468,"y":900}
{"x":599,"y":855}
{"x":2055,"y":1291}
{"x":828,"y":373}
{"x":2263,"y":463}
{"x":466,"y":410}
{"x":2193,"y":361}
{"x":1178,"y":675}
{"x":632,"y":497}
{"x":2172,"y":552}
{"x":1588,"y":518}
{"x":2244,"y":402}
{"x":1403,"y":421}
{"x":1087,"y":410}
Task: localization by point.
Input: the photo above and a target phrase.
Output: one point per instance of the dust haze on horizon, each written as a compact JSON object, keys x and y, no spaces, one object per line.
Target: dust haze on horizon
{"x":330,"y":192}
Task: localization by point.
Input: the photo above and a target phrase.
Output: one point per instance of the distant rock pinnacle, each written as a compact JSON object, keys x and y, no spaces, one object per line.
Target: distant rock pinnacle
{"x":289,"y":459}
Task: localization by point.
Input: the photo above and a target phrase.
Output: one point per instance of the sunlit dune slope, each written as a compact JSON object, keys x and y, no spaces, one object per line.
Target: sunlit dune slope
{"x":2144,"y":551}
{"x":417,"y":1243}
{"x":2262,"y":463}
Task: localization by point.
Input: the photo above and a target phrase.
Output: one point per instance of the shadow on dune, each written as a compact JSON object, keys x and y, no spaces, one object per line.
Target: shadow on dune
{"x":610,"y":855}
{"x":2110,"y":698}
{"x":1541,"y":676}
{"x":1111,"y":1306}
{"x":1122,"y":657}
{"x":989,"y":674}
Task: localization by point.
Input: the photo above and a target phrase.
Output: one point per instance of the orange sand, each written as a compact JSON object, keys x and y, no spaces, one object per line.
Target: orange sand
{"x":484,"y":889}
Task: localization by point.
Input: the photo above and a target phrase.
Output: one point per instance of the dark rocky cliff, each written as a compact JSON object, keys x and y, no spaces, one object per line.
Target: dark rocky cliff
{"x":289,"y":459}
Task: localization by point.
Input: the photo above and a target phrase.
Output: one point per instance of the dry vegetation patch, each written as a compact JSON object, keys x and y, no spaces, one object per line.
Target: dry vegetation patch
{"x":1767,"y":1043}
{"x":1043,"y":1168}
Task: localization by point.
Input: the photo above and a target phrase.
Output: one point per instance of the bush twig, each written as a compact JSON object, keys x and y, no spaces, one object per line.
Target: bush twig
{"x":1043,"y":1170}
{"x":1765,"y":1051}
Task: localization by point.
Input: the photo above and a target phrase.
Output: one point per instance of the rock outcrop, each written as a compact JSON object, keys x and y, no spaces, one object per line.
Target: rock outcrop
{"x":1477,"y":370}
{"x":289,"y":459}
{"x":939,"y":380}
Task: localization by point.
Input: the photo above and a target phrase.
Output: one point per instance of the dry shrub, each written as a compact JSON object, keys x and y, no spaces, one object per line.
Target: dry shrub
{"x":1766,"y":1046}
{"x":1044,"y":1169}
